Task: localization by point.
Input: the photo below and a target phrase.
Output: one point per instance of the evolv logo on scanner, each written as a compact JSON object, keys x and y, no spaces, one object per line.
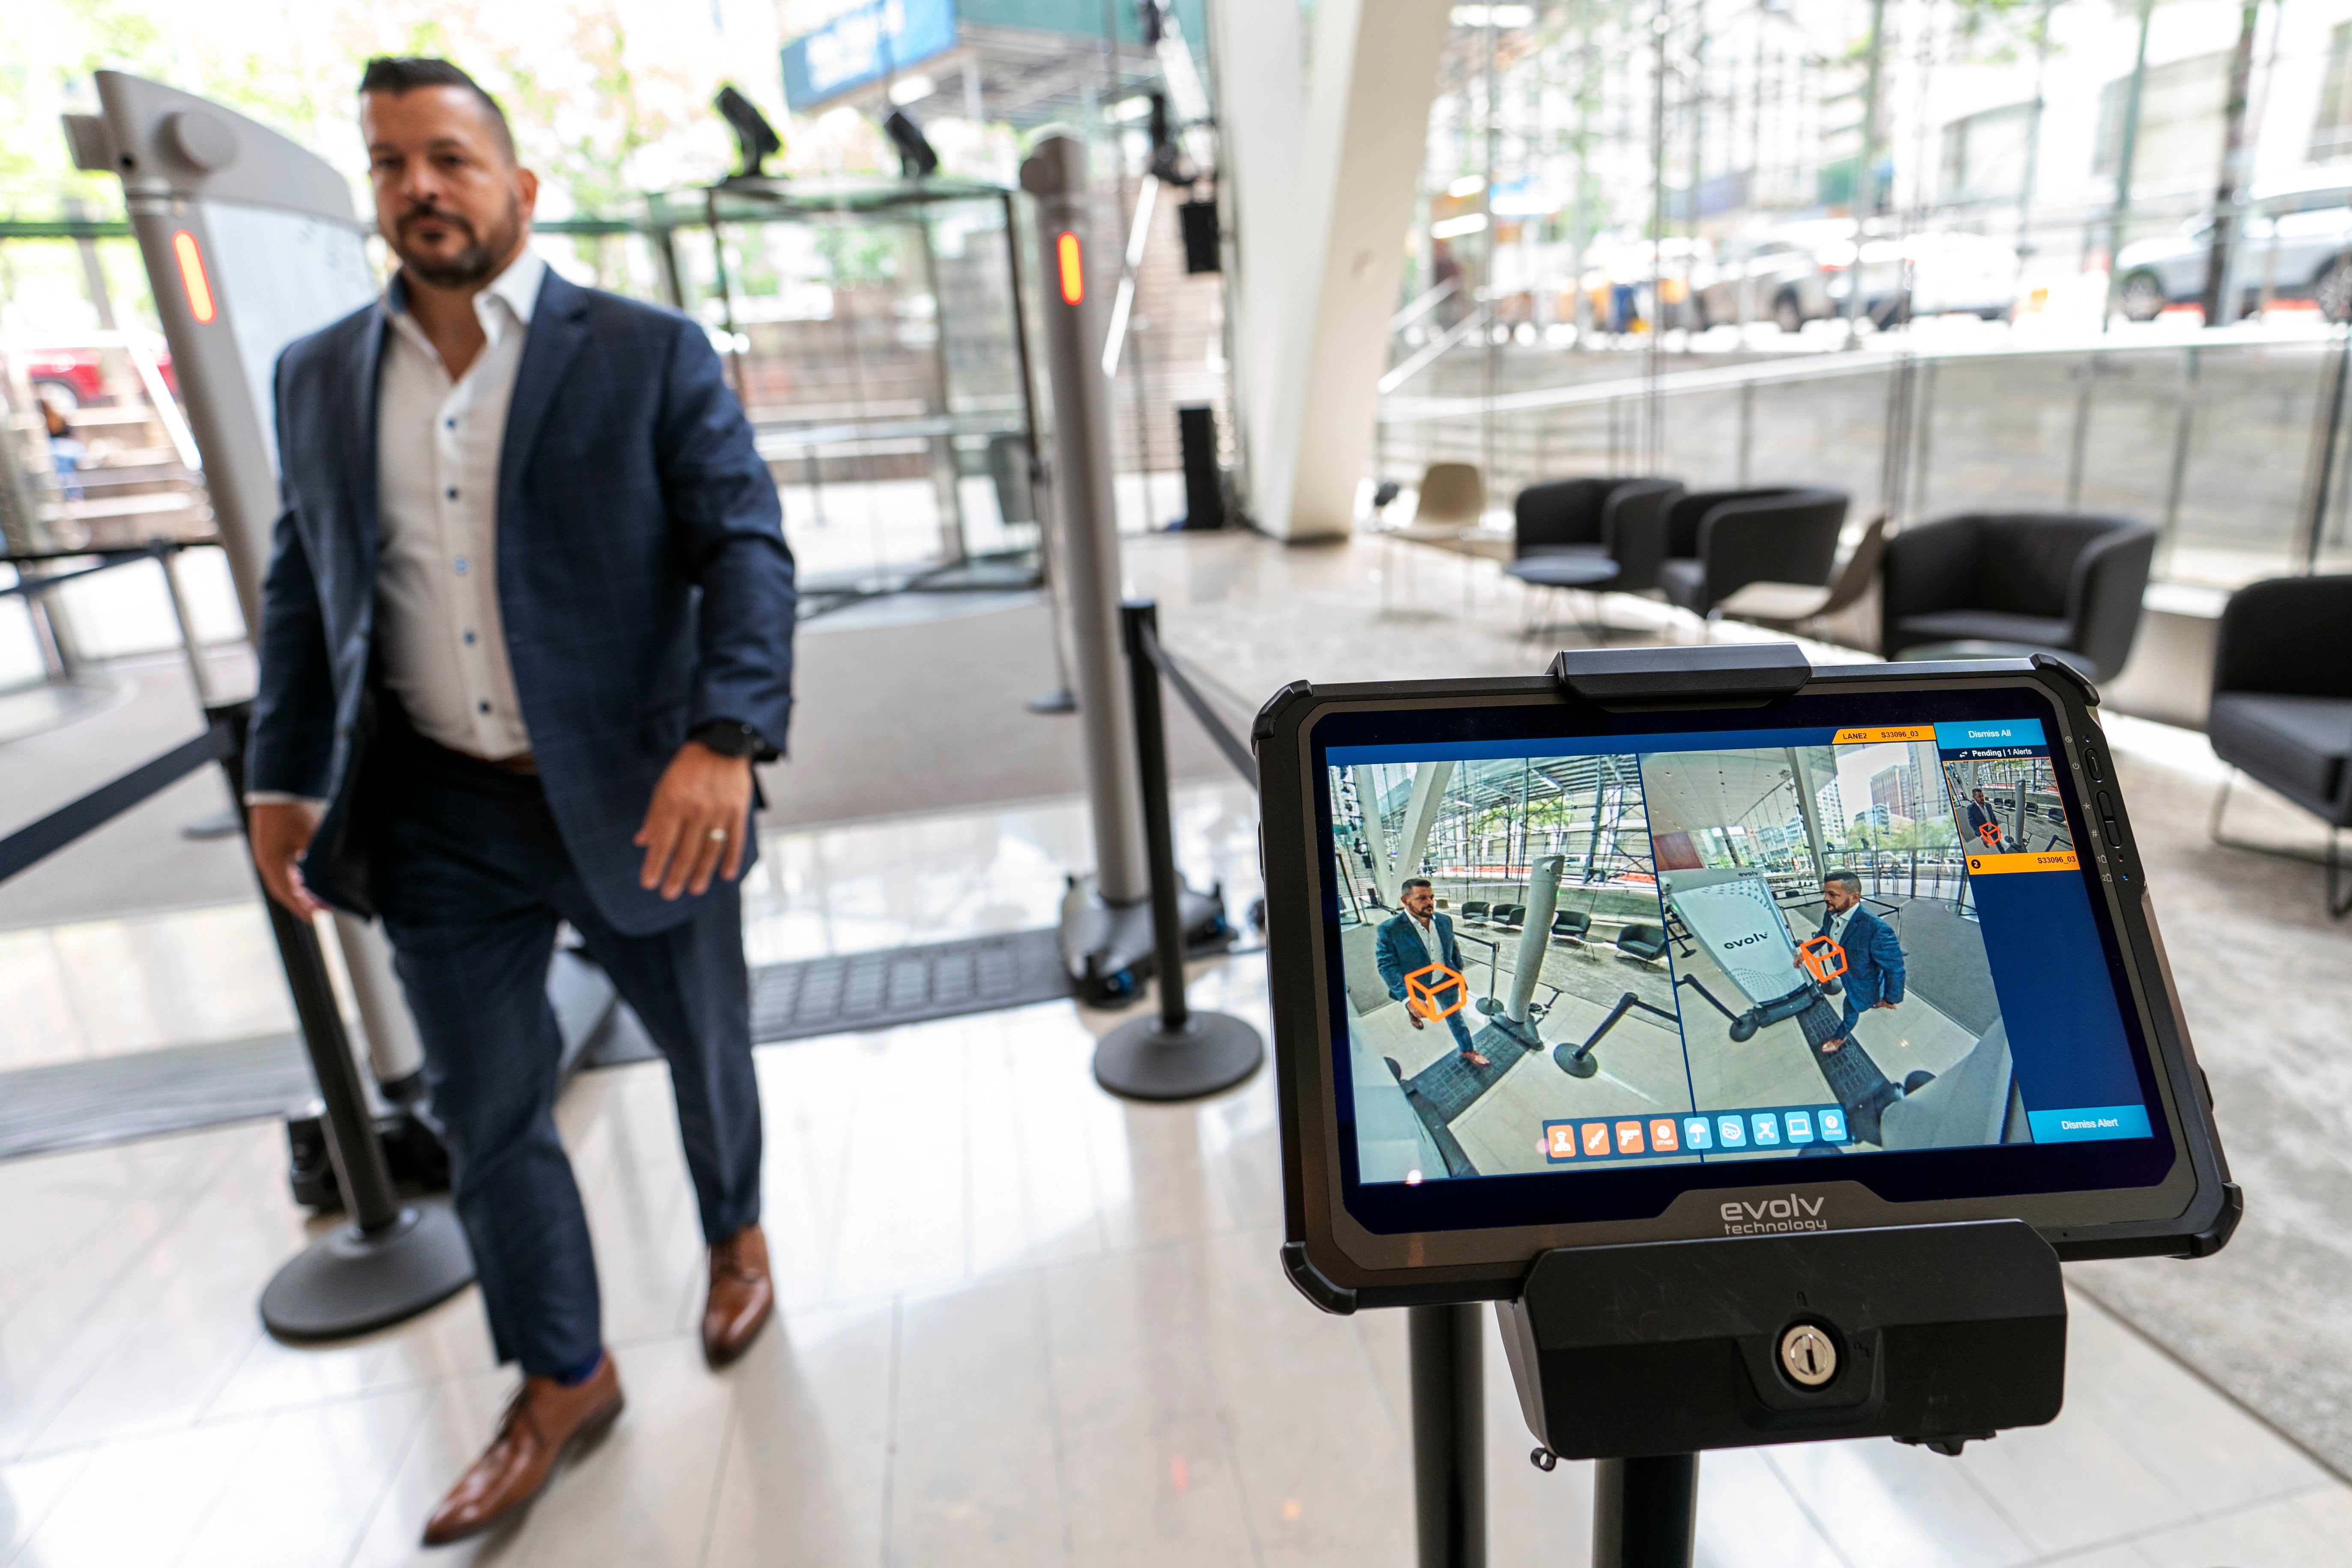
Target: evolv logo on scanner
{"x":1773,"y":1216}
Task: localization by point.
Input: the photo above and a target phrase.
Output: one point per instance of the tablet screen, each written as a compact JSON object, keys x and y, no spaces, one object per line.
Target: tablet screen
{"x":1692,"y":942}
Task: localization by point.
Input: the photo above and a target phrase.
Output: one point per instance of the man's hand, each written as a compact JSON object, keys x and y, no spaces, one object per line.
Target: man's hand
{"x":702,"y":809}
{"x":1890,"y":1006}
{"x":281,"y":830}
{"x":1410,"y":1016}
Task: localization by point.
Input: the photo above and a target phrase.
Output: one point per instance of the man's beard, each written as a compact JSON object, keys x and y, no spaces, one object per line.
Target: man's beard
{"x":471,"y":264}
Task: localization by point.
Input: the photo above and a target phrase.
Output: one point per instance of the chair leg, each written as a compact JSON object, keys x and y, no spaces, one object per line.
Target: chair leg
{"x":2338,"y":900}
{"x":2221,"y":801}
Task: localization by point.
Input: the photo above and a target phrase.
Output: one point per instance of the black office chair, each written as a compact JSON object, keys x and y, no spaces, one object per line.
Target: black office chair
{"x":2008,"y":584}
{"x":1475,"y":910}
{"x":1596,"y":536}
{"x":1510,"y":919}
{"x":1569,"y":514}
{"x":1570,"y":925}
{"x":1718,"y":541}
{"x":2282,"y":705}
{"x":1642,"y":941}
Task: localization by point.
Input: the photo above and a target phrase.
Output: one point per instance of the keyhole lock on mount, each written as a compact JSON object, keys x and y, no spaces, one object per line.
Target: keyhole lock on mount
{"x":1808,"y":1356}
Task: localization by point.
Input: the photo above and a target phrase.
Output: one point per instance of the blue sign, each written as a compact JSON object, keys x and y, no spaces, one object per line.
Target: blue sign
{"x":1977,"y":734}
{"x":865,"y":45}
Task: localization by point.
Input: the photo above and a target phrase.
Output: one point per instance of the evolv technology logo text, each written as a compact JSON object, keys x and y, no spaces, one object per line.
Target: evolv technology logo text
{"x":1772,"y":1216}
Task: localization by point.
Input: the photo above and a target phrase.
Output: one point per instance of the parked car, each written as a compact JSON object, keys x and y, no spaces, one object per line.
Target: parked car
{"x":70,"y":377}
{"x":2297,"y":242}
{"x":1935,"y":274}
{"x":1776,"y":277}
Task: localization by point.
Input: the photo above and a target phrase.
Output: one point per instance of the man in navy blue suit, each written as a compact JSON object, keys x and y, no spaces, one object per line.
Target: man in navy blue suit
{"x":1414,"y":940}
{"x":1873,"y":957}
{"x":527,"y":625}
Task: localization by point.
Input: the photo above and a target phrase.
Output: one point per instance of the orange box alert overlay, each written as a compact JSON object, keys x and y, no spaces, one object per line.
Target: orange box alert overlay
{"x":1871,"y":737}
{"x":1424,"y":988}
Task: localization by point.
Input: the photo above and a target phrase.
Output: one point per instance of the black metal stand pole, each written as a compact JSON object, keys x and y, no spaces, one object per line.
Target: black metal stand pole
{"x":1449,"y":1434}
{"x":1645,"y":1511}
{"x":391,"y":1261}
{"x":1181,"y":1054}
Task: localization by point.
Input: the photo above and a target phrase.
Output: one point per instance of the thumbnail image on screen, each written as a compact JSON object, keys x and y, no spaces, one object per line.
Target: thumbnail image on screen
{"x":1841,"y":942}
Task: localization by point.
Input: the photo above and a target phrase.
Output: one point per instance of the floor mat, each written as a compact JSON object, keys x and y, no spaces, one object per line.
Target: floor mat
{"x":1852,"y":1076}
{"x":906,"y":985}
{"x":112,"y":1099}
{"x":1449,"y":1085}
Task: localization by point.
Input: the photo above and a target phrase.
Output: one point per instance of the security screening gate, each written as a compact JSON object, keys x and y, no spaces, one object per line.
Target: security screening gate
{"x":250,"y":242}
{"x":1106,"y":924}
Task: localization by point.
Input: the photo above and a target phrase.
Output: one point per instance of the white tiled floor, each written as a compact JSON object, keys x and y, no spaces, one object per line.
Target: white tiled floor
{"x":1023,"y":1323}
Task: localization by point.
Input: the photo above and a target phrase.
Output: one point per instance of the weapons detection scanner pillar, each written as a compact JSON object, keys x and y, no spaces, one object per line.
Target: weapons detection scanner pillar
{"x":1106,"y":920}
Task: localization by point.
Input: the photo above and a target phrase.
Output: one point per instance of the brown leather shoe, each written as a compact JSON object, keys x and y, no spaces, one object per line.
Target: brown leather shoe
{"x":543,"y":1422}
{"x":741,"y":1296}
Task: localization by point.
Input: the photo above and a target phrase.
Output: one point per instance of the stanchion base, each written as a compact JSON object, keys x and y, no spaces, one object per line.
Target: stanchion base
{"x":1213,"y":1051}
{"x":1573,"y":1065}
{"x":345,"y":1283}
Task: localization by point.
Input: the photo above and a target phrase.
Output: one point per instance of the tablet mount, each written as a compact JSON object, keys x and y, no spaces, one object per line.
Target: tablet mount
{"x":1642,"y":1356}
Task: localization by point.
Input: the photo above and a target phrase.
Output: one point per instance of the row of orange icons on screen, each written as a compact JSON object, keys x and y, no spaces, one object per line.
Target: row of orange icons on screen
{"x":1657,"y":1136}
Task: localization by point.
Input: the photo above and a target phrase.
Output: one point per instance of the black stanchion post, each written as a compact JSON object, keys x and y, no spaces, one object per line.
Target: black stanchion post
{"x":1179,"y":1053}
{"x":1449,"y":1434}
{"x":1645,"y":1511}
{"x":393,"y":1260}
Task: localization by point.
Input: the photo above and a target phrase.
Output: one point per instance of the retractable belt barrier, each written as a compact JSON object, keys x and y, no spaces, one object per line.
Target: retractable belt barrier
{"x":37,"y":841}
{"x":393,"y":1260}
{"x":1447,"y":1344}
{"x":1178,"y":1054}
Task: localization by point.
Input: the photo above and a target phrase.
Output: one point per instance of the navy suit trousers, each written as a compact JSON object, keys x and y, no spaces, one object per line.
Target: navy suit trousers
{"x":471,"y":879}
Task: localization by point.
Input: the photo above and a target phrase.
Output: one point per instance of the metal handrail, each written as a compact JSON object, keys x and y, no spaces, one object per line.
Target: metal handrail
{"x":1822,"y":367}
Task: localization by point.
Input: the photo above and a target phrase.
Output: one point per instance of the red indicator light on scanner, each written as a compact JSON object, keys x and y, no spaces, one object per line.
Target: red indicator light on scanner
{"x":192,"y":275}
{"x":1073,"y":276}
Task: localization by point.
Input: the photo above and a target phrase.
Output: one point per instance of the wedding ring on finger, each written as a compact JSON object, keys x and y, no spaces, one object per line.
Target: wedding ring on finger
{"x":718,"y":836}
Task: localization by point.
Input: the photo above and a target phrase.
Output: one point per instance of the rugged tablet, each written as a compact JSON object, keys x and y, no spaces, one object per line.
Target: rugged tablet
{"x":1704,"y":942}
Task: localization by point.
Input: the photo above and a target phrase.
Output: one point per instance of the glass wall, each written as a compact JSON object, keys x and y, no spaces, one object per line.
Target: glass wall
{"x":1941,"y":255}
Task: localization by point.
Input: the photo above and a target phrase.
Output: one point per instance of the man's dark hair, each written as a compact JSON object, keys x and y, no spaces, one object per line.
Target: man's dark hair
{"x":1409,"y":883}
{"x":403,"y":73}
{"x":1845,"y":878}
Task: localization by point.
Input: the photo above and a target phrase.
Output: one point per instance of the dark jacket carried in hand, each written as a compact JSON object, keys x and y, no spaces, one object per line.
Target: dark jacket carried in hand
{"x":642,"y":575}
{"x":1401,"y":951}
{"x":1873,"y":961}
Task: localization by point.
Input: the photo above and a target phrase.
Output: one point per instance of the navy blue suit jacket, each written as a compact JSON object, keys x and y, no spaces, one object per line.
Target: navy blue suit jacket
{"x":1399,"y":951}
{"x":642,"y":573}
{"x":1873,"y":961}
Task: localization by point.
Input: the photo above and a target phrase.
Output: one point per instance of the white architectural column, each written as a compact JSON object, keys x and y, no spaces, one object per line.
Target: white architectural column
{"x":1323,"y":198}
{"x":1429,"y":781}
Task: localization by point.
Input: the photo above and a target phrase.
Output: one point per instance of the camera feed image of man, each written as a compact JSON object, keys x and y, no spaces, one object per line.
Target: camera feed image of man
{"x":527,"y":624}
{"x":1873,"y":958}
{"x":1415,"y":939}
{"x":1981,"y":817}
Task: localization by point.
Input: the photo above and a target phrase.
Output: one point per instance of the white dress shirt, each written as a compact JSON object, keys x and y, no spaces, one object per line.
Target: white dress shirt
{"x":439,"y":634}
{"x":1834,"y":929}
{"x":1427,"y":930}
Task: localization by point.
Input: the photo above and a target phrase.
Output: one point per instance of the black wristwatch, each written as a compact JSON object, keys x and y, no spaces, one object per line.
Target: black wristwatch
{"x":729,"y":739}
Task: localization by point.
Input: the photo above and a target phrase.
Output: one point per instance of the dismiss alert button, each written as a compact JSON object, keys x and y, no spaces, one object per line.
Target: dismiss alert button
{"x":2096,"y":1121}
